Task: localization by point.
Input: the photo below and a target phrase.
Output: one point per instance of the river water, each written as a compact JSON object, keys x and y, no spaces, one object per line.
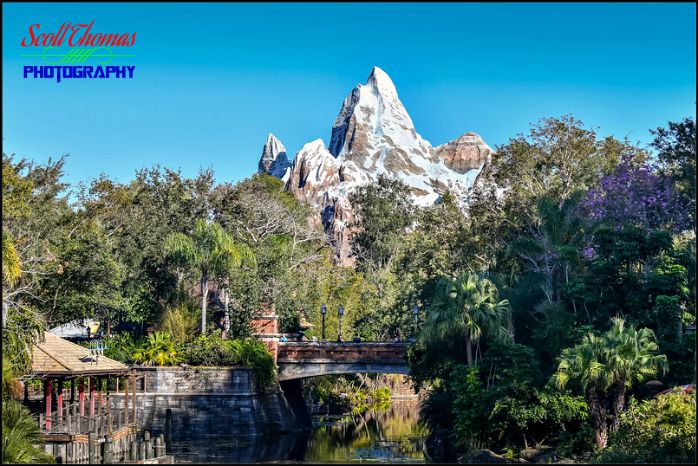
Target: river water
{"x":390,"y":435}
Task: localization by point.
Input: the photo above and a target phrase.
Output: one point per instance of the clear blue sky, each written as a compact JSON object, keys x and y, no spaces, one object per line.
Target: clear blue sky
{"x":212,"y":80}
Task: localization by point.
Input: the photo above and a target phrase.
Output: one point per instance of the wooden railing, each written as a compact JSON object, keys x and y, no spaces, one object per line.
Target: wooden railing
{"x":69,"y":420}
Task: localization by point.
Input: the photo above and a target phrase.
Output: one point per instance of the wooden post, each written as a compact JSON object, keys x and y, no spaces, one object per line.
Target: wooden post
{"x":81,"y":396}
{"x":47,"y":401}
{"x":72,"y":390}
{"x":133,"y":400}
{"x":148,"y":445}
{"x":90,"y":447}
{"x":126,"y":393}
{"x":106,"y":456}
{"x":107,"y":410}
{"x":134,"y":450}
{"x":92,"y":396}
{"x":59,"y":407}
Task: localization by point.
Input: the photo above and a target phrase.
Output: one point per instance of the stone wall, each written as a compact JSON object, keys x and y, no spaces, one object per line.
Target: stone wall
{"x":211,"y":402}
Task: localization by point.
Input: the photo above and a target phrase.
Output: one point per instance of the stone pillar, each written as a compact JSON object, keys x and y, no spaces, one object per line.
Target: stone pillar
{"x":265,"y":326}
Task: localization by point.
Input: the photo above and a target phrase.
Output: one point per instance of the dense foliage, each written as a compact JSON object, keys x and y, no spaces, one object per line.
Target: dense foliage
{"x":590,"y":242}
{"x":661,"y":430}
{"x":21,"y":437}
{"x":564,"y":233}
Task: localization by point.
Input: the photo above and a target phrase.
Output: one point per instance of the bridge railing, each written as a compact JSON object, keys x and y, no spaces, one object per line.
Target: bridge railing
{"x":384,"y":352}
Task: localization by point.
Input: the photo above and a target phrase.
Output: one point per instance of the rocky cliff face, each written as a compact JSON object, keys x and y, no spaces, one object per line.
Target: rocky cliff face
{"x":373,"y":135}
{"x":468,"y":152}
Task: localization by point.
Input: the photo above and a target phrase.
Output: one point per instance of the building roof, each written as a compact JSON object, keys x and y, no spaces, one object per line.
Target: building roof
{"x":76,"y":329}
{"x":54,"y":356}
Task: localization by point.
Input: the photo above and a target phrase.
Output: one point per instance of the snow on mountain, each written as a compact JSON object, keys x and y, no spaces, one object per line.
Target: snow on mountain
{"x":273,"y":161}
{"x":373,"y":135}
{"x":313,"y":171}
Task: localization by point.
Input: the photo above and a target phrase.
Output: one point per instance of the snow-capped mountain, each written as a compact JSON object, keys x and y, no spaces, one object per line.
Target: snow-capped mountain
{"x":274,"y":160}
{"x":373,"y":135}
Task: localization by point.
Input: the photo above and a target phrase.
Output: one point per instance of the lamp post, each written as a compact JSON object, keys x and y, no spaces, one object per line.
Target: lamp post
{"x":323,"y":311}
{"x":340,"y":311}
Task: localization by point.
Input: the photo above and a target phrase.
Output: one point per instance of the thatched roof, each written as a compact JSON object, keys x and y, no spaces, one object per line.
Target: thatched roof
{"x":56,"y":357}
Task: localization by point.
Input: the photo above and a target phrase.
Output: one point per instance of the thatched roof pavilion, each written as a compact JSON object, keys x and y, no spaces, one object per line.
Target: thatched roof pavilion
{"x":55,"y":357}
{"x":56,"y":361}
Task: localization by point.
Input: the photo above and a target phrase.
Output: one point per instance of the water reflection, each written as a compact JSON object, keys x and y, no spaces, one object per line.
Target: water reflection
{"x":392,"y":435}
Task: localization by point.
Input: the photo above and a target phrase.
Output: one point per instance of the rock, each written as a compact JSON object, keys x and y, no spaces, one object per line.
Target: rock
{"x":483,"y":457}
{"x":467,"y":152}
{"x":530,"y":454}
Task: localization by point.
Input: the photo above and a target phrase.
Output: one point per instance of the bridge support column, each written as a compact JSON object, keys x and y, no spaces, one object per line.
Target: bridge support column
{"x":293,"y":392}
{"x":266,"y":328}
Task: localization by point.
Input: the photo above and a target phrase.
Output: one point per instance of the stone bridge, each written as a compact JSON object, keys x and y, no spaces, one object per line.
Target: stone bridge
{"x":297,"y":360}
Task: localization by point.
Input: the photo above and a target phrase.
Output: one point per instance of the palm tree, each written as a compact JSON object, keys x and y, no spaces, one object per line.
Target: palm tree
{"x":469,"y":307}
{"x":211,"y":251}
{"x":20,"y":435}
{"x":605,"y":366}
{"x":20,"y":432}
{"x":585,"y":364}
{"x":632,"y":357}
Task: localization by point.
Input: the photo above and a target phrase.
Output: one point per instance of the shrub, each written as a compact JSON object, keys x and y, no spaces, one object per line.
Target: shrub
{"x":20,"y":436}
{"x":253,"y":353}
{"x":211,"y":350}
{"x":158,"y":350}
{"x":181,"y":322}
{"x":122,"y":346}
{"x":523,"y":413}
{"x":661,"y":430}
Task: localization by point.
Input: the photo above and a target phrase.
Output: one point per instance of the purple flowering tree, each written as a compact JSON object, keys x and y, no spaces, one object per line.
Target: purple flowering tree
{"x":636,"y":193}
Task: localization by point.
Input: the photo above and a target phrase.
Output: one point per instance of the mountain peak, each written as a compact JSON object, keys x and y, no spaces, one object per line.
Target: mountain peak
{"x":274,"y":160}
{"x":372,"y":119}
{"x":380,"y":80}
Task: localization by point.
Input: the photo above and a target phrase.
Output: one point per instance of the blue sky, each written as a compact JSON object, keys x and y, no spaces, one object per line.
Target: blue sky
{"x":212,"y":80}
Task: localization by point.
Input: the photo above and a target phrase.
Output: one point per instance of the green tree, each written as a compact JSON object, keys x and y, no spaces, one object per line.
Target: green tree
{"x":85,"y":283}
{"x":604,"y":366}
{"x":210,"y":251}
{"x":467,"y":308}
{"x":383,"y":212}
{"x":137,"y":217}
{"x":676,"y":147}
